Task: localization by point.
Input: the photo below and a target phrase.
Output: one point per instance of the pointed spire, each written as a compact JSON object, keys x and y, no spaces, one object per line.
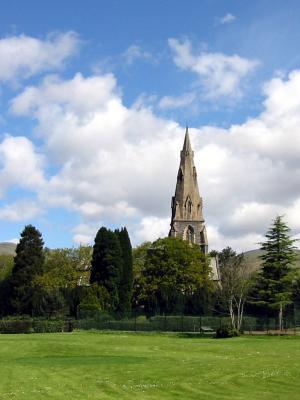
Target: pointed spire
{"x":187,"y":148}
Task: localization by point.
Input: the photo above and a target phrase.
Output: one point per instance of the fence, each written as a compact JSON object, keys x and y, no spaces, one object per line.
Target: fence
{"x":183,"y":323}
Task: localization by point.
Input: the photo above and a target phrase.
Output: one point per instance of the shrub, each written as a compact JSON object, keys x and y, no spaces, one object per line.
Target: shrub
{"x":223,"y":332}
{"x":29,"y":325}
{"x":51,"y":326}
{"x":11,"y":325}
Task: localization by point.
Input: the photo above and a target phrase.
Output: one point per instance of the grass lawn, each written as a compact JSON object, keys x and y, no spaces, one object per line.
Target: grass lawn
{"x":95,"y":365}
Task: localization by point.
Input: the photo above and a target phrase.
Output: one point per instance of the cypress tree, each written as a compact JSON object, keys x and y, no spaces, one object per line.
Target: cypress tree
{"x":126,"y":283}
{"x":275,"y":280}
{"x":28,"y":264}
{"x":107,"y":263}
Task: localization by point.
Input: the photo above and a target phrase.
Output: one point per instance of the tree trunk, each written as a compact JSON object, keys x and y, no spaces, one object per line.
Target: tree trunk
{"x":280,"y":317}
{"x":232,"y":315}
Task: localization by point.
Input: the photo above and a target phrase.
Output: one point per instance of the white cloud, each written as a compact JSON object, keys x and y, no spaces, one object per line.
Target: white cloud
{"x":219,"y":74}
{"x":152,"y":228}
{"x":134,"y":53}
{"x":20,"y":211}
{"x":118,"y":165}
{"x":226,"y":19}
{"x":171,"y":102}
{"x":84,"y":234}
{"x":20,"y":164}
{"x":23,"y":56}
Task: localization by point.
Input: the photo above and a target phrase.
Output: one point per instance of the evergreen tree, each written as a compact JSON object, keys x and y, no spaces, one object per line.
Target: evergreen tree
{"x":107,"y":263}
{"x":28,"y":264}
{"x":275,"y":279}
{"x":126,"y":283}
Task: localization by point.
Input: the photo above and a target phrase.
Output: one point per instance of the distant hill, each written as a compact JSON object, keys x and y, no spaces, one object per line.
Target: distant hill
{"x":252,"y":257}
{"x":7,"y":248}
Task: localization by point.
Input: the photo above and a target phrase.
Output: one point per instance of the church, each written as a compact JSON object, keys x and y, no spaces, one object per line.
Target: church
{"x":187,"y":220}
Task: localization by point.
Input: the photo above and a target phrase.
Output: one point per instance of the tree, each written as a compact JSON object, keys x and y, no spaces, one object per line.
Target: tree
{"x":28,"y":264}
{"x":235,"y":284}
{"x":275,"y":279}
{"x":65,"y":268}
{"x":126,"y":281}
{"x":107,"y":263}
{"x":174,"y":270}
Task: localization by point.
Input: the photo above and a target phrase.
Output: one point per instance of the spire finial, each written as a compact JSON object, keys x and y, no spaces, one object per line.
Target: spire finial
{"x":187,"y":148}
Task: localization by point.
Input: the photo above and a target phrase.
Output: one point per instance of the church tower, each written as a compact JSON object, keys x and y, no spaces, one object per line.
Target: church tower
{"x":187,"y":219}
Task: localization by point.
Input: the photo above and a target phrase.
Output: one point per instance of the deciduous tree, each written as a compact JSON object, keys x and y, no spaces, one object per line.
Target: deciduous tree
{"x":173,"y":271}
{"x":235,"y":284}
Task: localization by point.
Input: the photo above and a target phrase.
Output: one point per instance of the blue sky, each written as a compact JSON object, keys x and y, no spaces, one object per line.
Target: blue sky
{"x":94,"y":98}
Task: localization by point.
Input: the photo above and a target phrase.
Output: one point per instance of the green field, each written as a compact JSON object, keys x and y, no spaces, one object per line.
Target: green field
{"x":90,"y":365}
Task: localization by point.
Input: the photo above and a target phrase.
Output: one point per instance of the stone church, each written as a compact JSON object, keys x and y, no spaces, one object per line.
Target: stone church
{"x":187,"y":220}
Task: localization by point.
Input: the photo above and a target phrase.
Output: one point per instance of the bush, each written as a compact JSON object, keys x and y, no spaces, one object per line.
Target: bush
{"x":52,"y":326}
{"x":11,"y":325}
{"x":29,"y":325}
{"x":223,"y":332}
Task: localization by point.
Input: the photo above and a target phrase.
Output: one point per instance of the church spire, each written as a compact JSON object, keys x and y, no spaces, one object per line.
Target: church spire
{"x":187,"y":218}
{"x":187,"y":148}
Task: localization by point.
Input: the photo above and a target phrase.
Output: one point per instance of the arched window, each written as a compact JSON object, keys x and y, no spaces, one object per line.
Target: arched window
{"x":189,"y":234}
{"x":190,"y":207}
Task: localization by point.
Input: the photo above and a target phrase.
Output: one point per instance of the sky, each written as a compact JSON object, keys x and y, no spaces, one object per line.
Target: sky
{"x":94,"y":99}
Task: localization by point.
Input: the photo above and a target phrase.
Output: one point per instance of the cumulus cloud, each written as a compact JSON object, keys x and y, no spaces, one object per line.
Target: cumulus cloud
{"x":219,"y":74}
{"x":20,"y":164}
{"x":118,"y":165}
{"x":23,"y":56}
{"x":108,"y":154}
{"x":152,"y":227}
{"x":20,"y":211}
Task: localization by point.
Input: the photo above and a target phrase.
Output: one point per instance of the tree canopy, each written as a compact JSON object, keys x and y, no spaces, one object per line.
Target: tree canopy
{"x":274,"y":287}
{"x":173,"y":271}
{"x":28,"y":264}
{"x":107,"y":263}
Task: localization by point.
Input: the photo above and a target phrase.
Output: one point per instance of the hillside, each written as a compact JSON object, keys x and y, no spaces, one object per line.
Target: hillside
{"x":252,"y":257}
{"x":7,"y":248}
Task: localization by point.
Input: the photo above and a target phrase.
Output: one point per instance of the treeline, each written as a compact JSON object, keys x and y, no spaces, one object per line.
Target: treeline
{"x":167,"y":277}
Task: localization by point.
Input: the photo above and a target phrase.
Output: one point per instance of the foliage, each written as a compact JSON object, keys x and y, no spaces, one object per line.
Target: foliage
{"x":31,"y":325}
{"x":64,"y":267}
{"x":28,"y":264}
{"x":6,"y":265}
{"x":126,"y":281}
{"x":173,"y":270}
{"x":223,"y":332}
{"x":235,"y":284}
{"x":107,"y":263}
{"x":274,"y":286}
{"x":94,"y":298}
{"x":48,"y":303}
{"x":16,"y":325}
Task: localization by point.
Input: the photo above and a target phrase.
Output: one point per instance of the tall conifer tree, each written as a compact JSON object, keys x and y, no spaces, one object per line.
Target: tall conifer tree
{"x":107,"y":263}
{"x":28,"y":264}
{"x":126,"y":283}
{"x":275,"y":280}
